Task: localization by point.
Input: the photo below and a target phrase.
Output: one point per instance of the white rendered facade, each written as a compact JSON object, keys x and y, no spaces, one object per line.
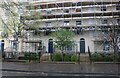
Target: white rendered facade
{"x":6,"y":24}
{"x":91,"y":22}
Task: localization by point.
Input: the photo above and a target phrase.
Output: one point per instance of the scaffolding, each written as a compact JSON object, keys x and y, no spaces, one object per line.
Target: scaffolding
{"x":74,"y":10}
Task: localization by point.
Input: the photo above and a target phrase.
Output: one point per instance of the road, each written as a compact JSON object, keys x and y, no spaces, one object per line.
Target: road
{"x":87,"y":70}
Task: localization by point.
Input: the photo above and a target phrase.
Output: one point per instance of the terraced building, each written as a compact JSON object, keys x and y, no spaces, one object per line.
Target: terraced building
{"x":92,"y":22}
{"x":95,"y":23}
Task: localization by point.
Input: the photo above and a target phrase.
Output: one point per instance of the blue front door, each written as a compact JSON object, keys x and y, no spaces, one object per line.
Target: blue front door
{"x":2,"y":46}
{"x":82,"y":45}
{"x":50,"y":46}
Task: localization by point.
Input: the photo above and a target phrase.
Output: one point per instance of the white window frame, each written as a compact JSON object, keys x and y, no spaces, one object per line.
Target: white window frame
{"x":78,"y":23}
{"x":66,"y":23}
{"x":48,"y":24}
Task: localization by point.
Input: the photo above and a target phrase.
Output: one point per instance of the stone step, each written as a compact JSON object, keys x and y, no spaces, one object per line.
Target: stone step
{"x":84,"y":54}
{"x":84,"y":57}
{"x":45,"y":57}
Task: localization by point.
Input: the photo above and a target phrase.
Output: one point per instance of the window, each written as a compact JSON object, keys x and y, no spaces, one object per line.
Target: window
{"x":106,"y":46}
{"x":104,"y":21}
{"x":78,"y":10}
{"x":67,"y":4}
{"x":48,"y":11}
{"x":66,"y":23}
{"x":78,"y":23}
{"x":59,"y":4}
{"x":43,"y":6}
{"x":39,"y":45}
{"x":48,"y":23}
{"x":117,"y":6}
{"x":51,"y":5}
{"x":118,"y":21}
{"x":79,"y":4}
{"x":14,"y":45}
{"x":74,"y":4}
{"x":66,"y":10}
{"x":103,"y":8}
{"x":69,"y":48}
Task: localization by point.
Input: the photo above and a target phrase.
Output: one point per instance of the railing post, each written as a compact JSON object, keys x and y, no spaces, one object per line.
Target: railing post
{"x":90,"y":58}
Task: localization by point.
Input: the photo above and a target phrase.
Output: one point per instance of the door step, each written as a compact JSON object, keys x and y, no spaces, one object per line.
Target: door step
{"x":84,"y":57}
{"x":45,"y":57}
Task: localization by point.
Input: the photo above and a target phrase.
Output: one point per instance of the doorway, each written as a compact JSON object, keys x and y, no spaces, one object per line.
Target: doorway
{"x":50,"y":46}
{"x":82,"y":45}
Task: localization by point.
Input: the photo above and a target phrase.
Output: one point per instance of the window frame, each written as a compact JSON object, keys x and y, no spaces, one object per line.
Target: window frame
{"x":104,"y":21}
{"x":78,"y":23}
{"x":78,"y":9}
{"x":48,"y":24}
{"x":118,"y":21}
{"x":48,"y":11}
{"x":66,"y":23}
{"x":117,"y":6}
{"x":66,"y":10}
{"x":103,"y":8}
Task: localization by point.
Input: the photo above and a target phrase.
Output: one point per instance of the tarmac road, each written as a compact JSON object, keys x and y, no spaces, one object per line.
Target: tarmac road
{"x":42,"y":69}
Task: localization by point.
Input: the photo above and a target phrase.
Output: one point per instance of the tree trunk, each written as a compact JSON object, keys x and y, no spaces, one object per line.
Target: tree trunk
{"x":115,"y":48}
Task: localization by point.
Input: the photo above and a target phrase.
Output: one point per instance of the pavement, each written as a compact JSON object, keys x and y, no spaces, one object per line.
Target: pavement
{"x":51,"y":69}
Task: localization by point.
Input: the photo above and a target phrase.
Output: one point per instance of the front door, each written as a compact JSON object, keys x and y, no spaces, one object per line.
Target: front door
{"x":82,"y":45}
{"x":2,"y":46}
{"x":50,"y":46}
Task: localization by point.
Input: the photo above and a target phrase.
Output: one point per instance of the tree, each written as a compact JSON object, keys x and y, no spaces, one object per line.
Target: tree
{"x":64,"y":39}
{"x":13,"y":23}
{"x":115,"y":40}
{"x":113,"y":37}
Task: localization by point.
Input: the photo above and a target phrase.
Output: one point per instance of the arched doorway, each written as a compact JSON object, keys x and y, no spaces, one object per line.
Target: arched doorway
{"x":50,"y":46}
{"x":82,"y":45}
{"x":2,"y":46}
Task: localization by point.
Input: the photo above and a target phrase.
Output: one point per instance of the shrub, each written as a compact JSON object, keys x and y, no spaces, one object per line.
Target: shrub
{"x":26,"y":56}
{"x":118,"y":58}
{"x":33,"y":56}
{"x":97,"y":57}
{"x":75,"y":58}
{"x":102,"y":57}
{"x":67,"y":57}
{"x":109,"y":58}
{"x":30,"y":56}
{"x":57,"y":56}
